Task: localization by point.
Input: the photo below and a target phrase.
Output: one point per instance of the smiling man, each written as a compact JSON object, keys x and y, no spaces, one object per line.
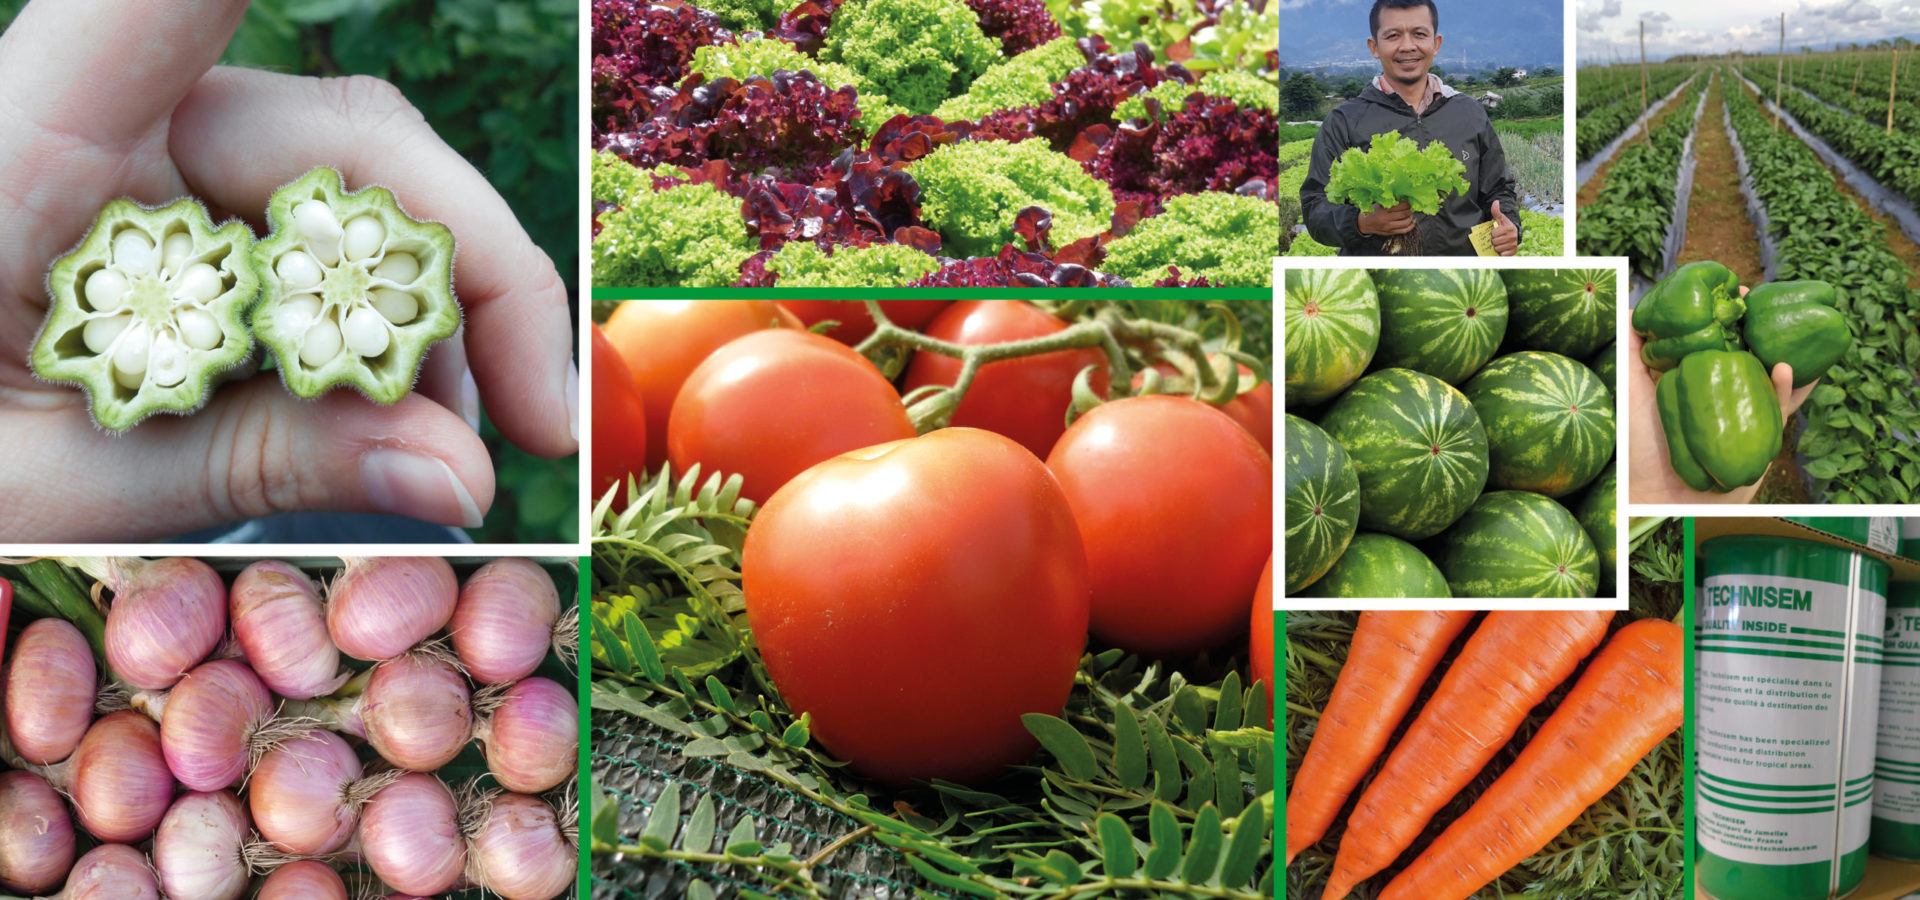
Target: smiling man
{"x":1408,"y":98}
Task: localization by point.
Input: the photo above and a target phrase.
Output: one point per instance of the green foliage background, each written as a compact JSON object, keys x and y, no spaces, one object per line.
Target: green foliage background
{"x":499,"y":82}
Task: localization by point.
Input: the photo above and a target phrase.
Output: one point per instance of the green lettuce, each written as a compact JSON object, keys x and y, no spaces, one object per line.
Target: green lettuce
{"x":1394,"y":170}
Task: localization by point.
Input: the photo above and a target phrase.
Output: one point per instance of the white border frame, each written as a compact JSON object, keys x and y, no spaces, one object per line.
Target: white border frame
{"x":1622,"y":437}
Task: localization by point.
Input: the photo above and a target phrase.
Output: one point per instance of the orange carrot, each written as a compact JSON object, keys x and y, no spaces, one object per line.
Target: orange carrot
{"x":1512,"y":662}
{"x":1390,"y":658}
{"x":1628,"y":701}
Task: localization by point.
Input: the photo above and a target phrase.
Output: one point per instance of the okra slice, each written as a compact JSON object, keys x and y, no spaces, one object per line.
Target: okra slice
{"x":148,"y":310}
{"x":355,"y":289}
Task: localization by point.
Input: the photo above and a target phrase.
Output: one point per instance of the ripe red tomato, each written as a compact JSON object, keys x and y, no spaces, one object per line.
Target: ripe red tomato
{"x":1025,"y":399}
{"x":1252,"y":409}
{"x":662,"y":341}
{"x":768,"y":405}
{"x":619,"y":422}
{"x":1260,"y":637}
{"x":1175,"y":505}
{"x":855,"y":324}
{"x":917,"y":598}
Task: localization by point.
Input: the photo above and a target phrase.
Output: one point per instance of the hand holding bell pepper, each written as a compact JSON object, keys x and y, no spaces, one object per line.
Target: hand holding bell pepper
{"x":1797,"y":323}
{"x":1696,"y":308}
{"x":1722,"y":419}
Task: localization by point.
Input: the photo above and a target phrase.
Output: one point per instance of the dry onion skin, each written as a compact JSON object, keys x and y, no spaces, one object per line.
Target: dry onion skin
{"x":148,"y":310}
{"x":355,"y":290}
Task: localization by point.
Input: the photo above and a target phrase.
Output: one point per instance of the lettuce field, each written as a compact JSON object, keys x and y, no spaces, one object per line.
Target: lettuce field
{"x":934,"y":143}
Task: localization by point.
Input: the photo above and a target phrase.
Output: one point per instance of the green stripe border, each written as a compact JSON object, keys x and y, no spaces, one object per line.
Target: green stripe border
{"x":584,"y":678}
{"x":1687,"y":652}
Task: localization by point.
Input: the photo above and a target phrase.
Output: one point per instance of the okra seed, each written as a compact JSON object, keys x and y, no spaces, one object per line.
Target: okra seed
{"x":167,"y":363}
{"x":131,"y":356}
{"x":105,"y":289}
{"x":399,"y":268}
{"x":199,"y":329}
{"x":199,"y":282}
{"x":297,"y":313}
{"x":365,"y":234}
{"x":298,"y":270}
{"x":133,"y":251}
{"x":399,"y":307}
{"x":130,"y":380}
{"x":365,"y":332}
{"x":316,"y":221}
{"x":99,"y":332}
{"x":321,"y":344}
{"x":175,"y":250}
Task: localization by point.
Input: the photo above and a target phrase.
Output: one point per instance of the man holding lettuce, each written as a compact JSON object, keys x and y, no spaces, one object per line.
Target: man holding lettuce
{"x":1408,"y":98}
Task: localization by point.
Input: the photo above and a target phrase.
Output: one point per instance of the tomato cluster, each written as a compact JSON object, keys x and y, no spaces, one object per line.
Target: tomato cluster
{"x":915,"y":595}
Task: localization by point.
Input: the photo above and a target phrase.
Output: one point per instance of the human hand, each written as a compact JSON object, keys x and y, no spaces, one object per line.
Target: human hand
{"x":1650,"y":469}
{"x":90,"y":112}
{"x":1505,"y":237}
{"x":1387,"y":221}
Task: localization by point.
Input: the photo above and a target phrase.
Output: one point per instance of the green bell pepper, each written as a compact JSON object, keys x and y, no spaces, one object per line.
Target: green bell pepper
{"x":1698,"y":307}
{"x":1721,"y":418}
{"x":1798,"y":323}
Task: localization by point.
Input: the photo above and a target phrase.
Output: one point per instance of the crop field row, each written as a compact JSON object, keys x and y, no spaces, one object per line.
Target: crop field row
{"x":1614,"y":102}
{"x":1892,"y":159}
{"x":1631,"y":214}
{"x":1849,"y":445}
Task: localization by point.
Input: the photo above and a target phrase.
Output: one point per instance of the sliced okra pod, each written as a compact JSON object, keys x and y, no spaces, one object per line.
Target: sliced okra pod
{"x":355,"y":290}
{"x":148,"y":311}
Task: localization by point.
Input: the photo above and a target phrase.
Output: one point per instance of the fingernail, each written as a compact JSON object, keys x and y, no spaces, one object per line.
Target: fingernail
{"x":469,"y":400}
{"x":418,"y":487}
{"x":573,"y":401}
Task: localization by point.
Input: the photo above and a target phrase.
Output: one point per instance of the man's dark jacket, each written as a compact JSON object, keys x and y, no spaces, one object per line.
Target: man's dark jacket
{"x":1455,"y":120}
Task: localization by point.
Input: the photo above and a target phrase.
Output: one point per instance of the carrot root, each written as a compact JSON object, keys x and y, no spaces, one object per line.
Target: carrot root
{"x":1390,"y":658}
{"x":1629,"y":700}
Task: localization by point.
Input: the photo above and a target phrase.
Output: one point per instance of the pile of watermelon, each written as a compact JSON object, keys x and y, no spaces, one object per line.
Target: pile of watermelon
{"x":1450,"y":432}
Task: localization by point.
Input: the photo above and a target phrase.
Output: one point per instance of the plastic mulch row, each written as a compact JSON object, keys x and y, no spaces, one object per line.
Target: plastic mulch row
{"x":634,"y":760}
{"x":1585,"y":170}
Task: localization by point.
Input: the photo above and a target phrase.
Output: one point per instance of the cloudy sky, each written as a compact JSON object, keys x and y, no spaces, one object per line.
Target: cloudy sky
{"x":1609,"y":27}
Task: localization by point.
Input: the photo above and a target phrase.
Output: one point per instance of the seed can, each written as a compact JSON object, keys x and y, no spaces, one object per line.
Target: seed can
{"x":1787,"y":691}
{"x":1896,"y":793}
{"x":1910,"y":538}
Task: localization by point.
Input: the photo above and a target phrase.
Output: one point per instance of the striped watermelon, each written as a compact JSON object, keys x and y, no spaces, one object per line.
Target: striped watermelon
{"x":1549,"y":422}
{"x":1420,"y":449}
{"x":1602,"y":365}
{"x":1596,"y":512}
{"x":1518,"y":544}
{"x":1376,"y":565}
{"x":1332,"y":327}
{"x":1444,"y":322}
{"x":1565,"y":311}
{"x":1323,"y":502}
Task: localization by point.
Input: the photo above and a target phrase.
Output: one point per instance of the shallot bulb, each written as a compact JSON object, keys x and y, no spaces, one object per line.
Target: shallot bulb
{"x":378,"y":608}
{"x":416,"y":711}
{"x":198,"y":850}
{"x":520,"y":849}
{"x":282,"y":628}
{"x":118,"y":778}
{"x":505,"y":621}
{"x":167,"y":616}
{"x":531,"y":734}
{"x":303,"y":880}
{"x":214,"y":723}
{"x":410,"y":836}
{"x":306,"y":793}
{"x":50,"y":683}
{"x":111,"y":872}
{"x":36,"y":834}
